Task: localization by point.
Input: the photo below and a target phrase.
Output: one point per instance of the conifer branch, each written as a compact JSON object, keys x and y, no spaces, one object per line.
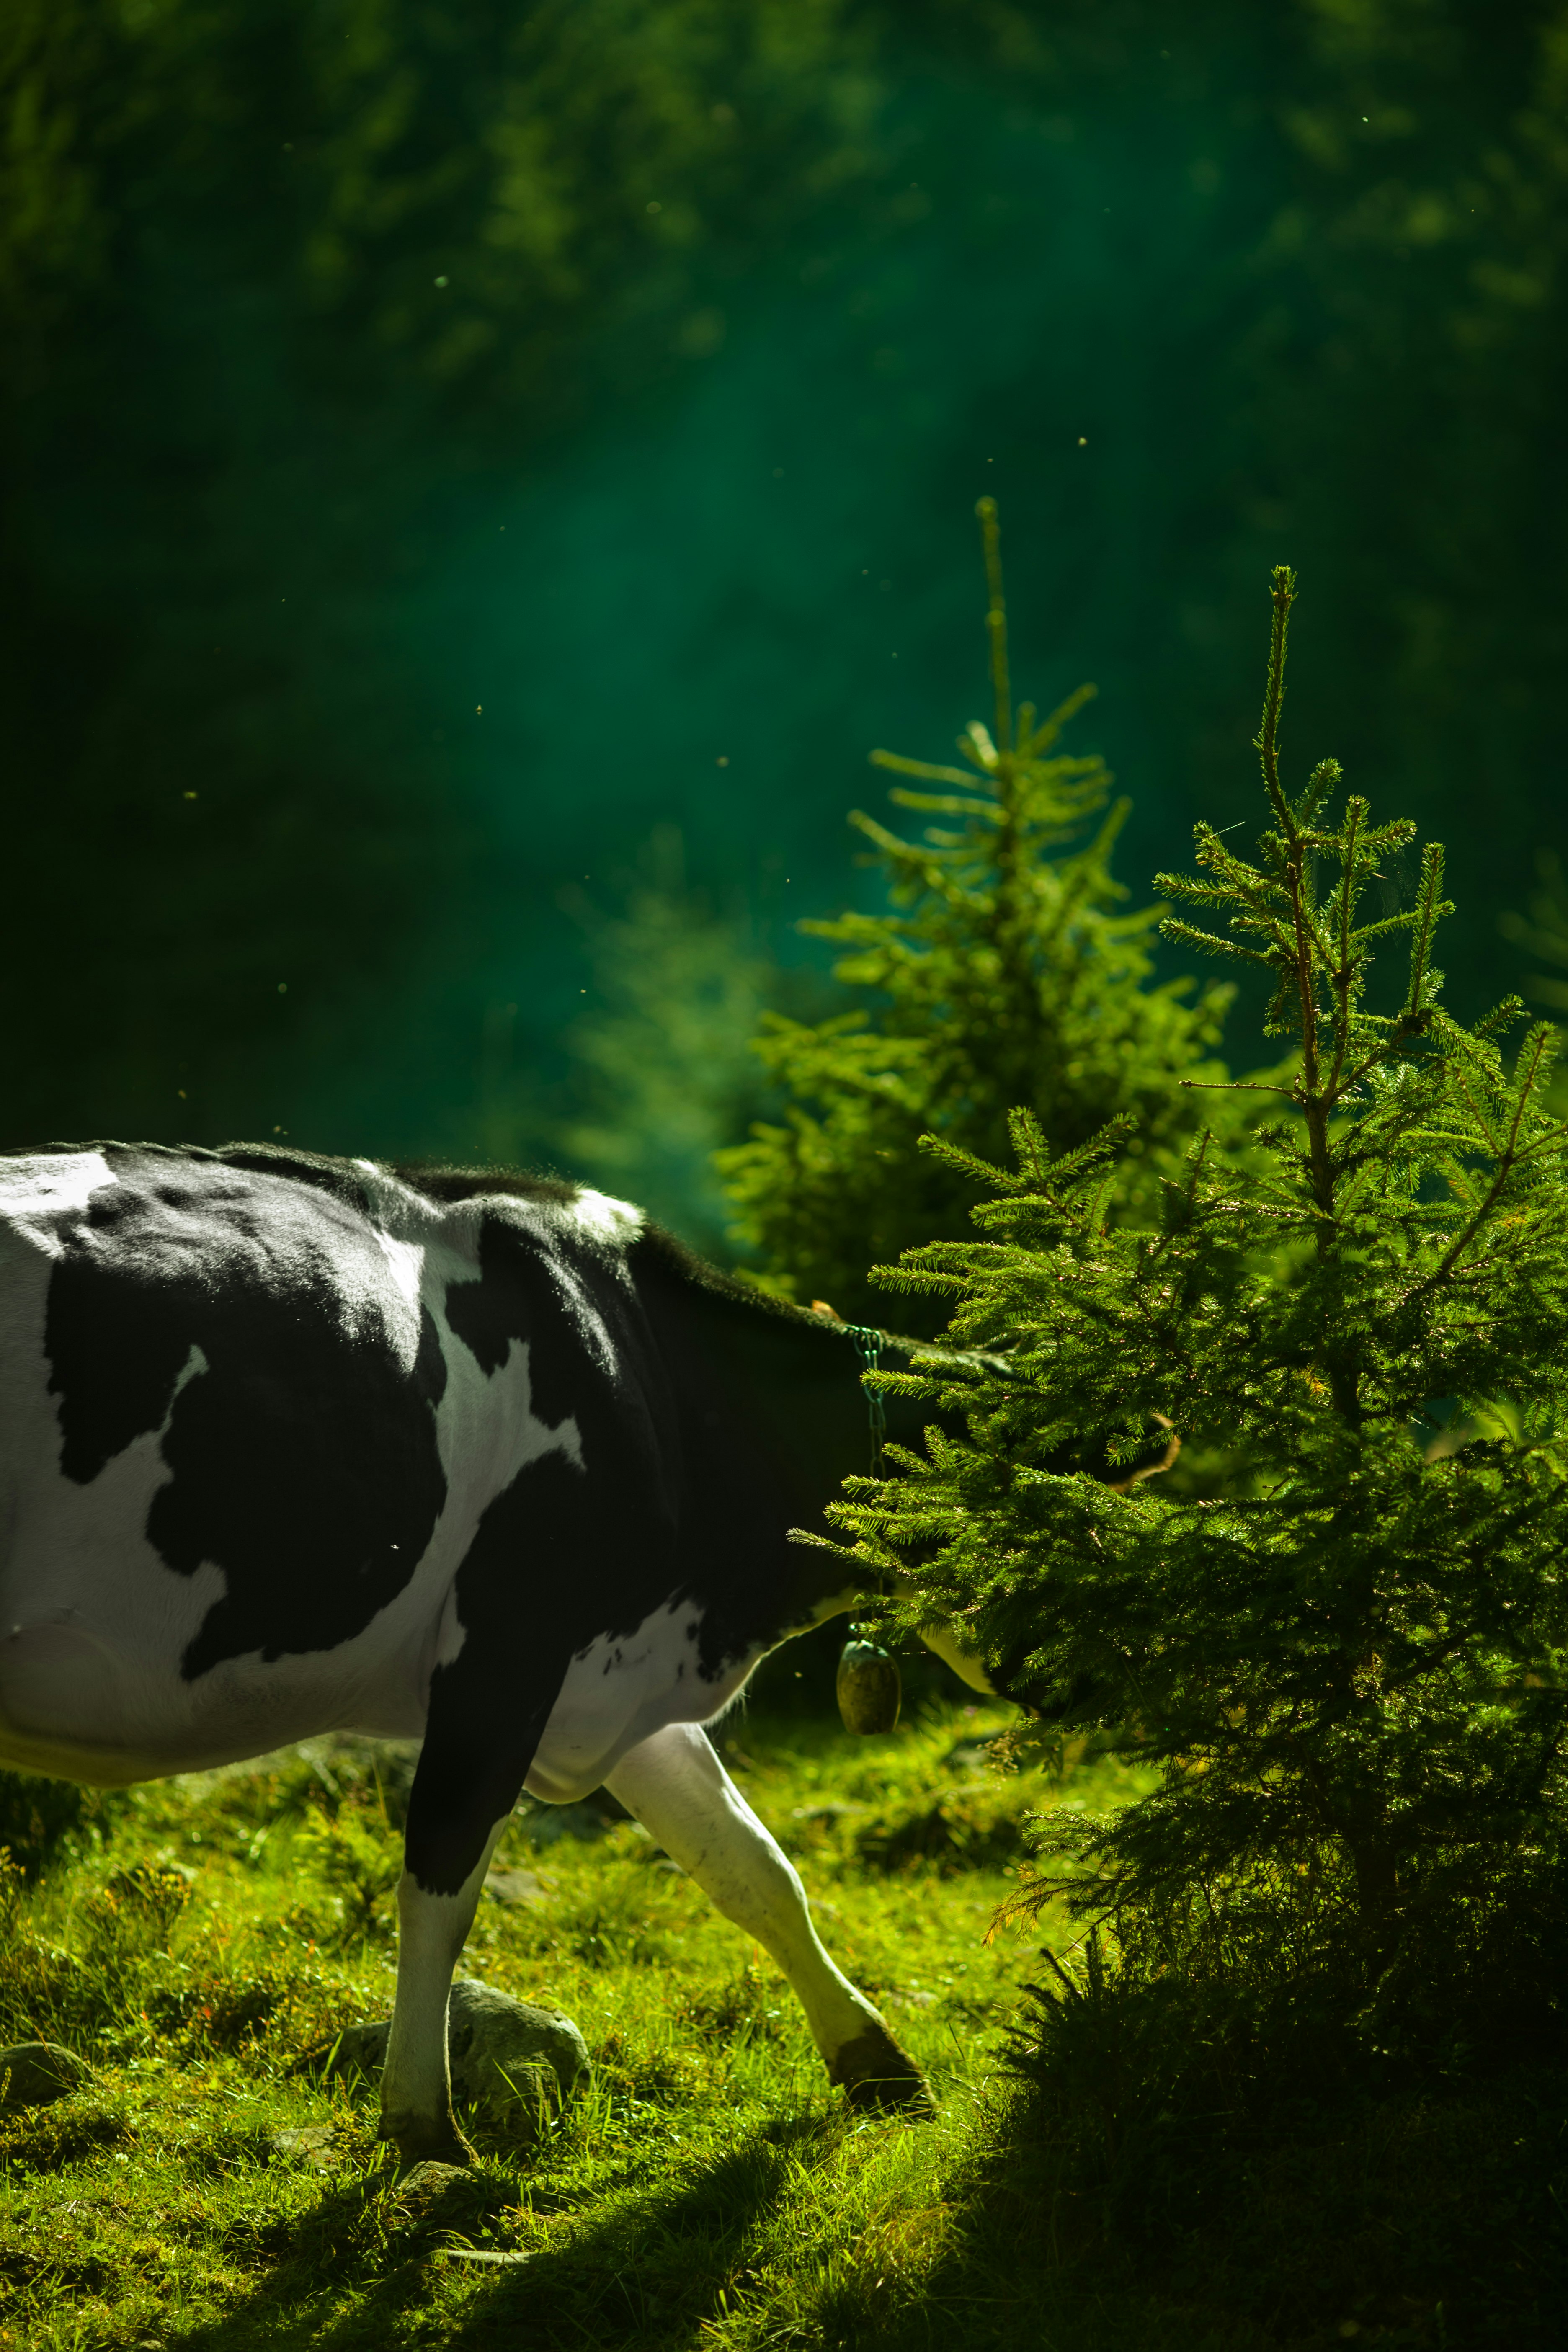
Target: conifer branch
{"x":1501,"y":1017}
{"x":1538,"y":1045}
{"x":1033,"y":738}
{"x":1429,"y":911}
{"x":997,"y":621}
{"x":979,"y":812}
{"x":1346,"y":970}
{"x":1319,"y":785}
{"x":1173,"y":927}
{"x":1383,"y":927}
{"x":1282,"y":591}
{"x":1376,"y":1060}
{"x":934,"y":770}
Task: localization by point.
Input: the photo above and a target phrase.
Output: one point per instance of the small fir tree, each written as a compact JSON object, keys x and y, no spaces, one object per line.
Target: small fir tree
{"x":1003,"y":975}
{"x":660,"y":1067}
{"x":1338,"y":1629}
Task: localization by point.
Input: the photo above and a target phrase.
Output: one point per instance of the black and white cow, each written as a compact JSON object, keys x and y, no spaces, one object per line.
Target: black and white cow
{"x":290,"y":1445}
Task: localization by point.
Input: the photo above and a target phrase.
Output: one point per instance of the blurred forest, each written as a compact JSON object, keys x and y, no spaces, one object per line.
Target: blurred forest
{"x":480,"y":479}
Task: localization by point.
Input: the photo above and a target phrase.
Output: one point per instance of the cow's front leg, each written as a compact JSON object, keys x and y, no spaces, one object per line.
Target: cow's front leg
{"x":416,"y":2084}
{"x":680,"y":1792}
{"x":479,"y":1740}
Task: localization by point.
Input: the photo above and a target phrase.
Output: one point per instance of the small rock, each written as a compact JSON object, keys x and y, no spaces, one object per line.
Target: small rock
{"x":436,"y":2201}
{"x":548,"y":1824}
{"x":516,"y":1887}
{"x":507,"y":2055}
{"x":358,"y":2050}
{"x":34,"y":2072}
{"x":422,"y":2182}
{"x":490,"y":2037}
{"x":307,"y":2144}
{"x":430,"y":2193}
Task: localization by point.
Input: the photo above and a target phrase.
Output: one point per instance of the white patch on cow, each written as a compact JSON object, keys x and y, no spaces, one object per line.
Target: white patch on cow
{"x":615,"y":1222}
{"x":406,"y":1260}
{"x":47,"y":1184}
{"x":94,"y":1624}
{"x":451,"y":1635}
{"x":620,"y":1689}
{"x":195,"y":1363}
{"x":391,"y":1200}
{"x":487,"y":1433}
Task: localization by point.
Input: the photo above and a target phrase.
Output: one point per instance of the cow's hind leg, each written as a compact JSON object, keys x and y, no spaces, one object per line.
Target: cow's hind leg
{"x":677,"y":1789}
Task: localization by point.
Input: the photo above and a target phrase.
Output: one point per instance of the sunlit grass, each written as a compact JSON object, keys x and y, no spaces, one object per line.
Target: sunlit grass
{"x":706,"y":2188}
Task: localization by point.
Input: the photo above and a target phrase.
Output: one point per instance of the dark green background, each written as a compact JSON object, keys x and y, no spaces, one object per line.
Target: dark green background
{"x":1193,"y":292}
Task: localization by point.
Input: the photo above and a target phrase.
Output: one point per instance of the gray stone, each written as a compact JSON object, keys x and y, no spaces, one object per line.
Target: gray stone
{"x":504,"y":2055}
{"x":516,"y":1887}
{"x":312,"y":2144}
{"x":434,"y":2201}
{"x":430,"y":2184}
{"x":34,"y":2072}
{"x":358,"y":2050}
{"x":548,"y":1824}
{"x":492,"y":2037}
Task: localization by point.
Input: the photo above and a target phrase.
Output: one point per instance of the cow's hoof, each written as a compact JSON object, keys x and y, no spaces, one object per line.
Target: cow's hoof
{"x":420,"y":2140}
{"x":877,"y":2076}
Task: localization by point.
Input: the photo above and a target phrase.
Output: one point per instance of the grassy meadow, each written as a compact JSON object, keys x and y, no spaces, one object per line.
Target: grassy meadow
{"x":212,"y":2187}
{"x":218,"y":1931}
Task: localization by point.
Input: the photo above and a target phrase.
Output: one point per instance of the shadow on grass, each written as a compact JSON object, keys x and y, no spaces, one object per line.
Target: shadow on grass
{"x":645,"y":2273}
{"x":1417,"y":2223}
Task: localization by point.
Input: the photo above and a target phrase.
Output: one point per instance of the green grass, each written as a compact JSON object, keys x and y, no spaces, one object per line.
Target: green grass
{"x":708,"y":2188}
{"x":211,"y":1936}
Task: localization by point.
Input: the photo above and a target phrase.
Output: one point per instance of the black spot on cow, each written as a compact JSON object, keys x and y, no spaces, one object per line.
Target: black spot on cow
{"x":256,"y":1322}
{"x":707,"y":1429}
{"x":609,"y":1531}
{"x":571,"y":1550}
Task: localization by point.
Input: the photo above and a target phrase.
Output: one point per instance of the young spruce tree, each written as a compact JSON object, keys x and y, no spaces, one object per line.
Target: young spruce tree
{"x":1003,"y":975}
{"x":1339,"y":1628}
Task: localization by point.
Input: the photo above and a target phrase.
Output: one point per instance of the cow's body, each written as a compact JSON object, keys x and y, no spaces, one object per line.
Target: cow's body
{"x":291,"y":1445}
